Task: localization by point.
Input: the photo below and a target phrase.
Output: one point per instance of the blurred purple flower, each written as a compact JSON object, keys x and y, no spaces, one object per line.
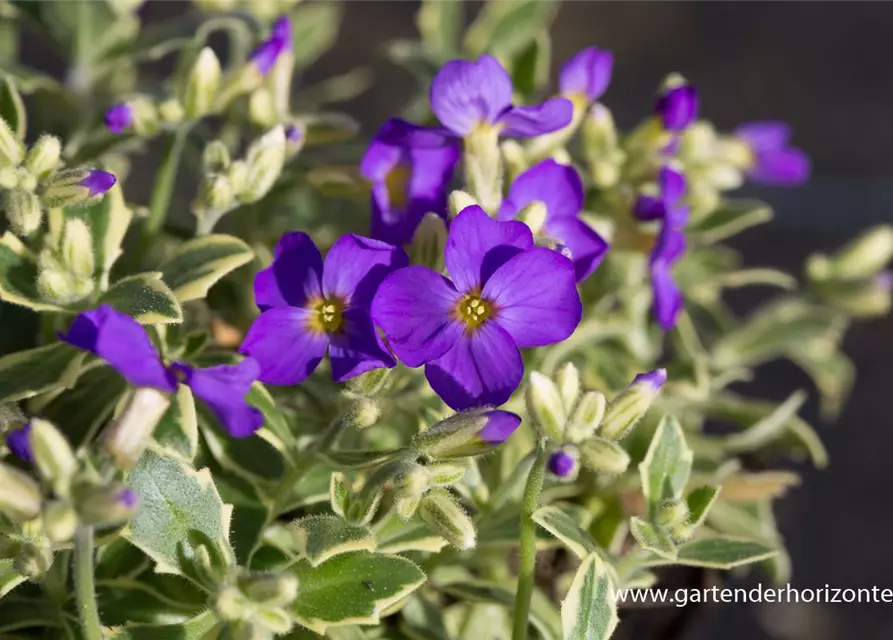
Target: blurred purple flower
{"x":19,"y":442}
{"x":774,"y":162}
{"x":587,"y":74}
{"x":677,"y":107}
{"x":268,"y":51}
{"x":119,"y":117}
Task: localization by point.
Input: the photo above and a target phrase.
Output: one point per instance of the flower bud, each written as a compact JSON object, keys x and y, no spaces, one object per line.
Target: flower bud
{"x":262,"y":109}
{"x":77,"y":186}
{"x":61,"y":287}
{"x":59,"y":521}
{"x":107,"y":506}
{"x":364,"y":507}
{"x":18,"y":441}
{"x":265,"y":159}
{"x":545,"y":406}
{"x":272,"y":589}
{"x":631,"y":404}
{"x":864,"y":256}
{"x":171,"y":111}
{"x":270,"y":622}
{"x":866,"y":298}
{"x":534,"y":216}
{"x":127,"y":437}
{"x":118,"y":118}
{"x":369,"y":384}
{"x":599,"y":131}
{"x":12,"y":151}
{"x":215,"y":157}
{"x":567,"y":380}
{"x":294,"y":139}
{"x":677,"y":105}
{"x":230,"y":604}
{"x":34,"y":560}
{"x":483,"y":166}
{"x":339,"y":494}
{"x":362,"y":412}
{"x":563,"y":463}
{"x":44,"y":156}
{"x":459,"y":200}
{"x":23,"y":211}
{"x":20,"y":496}
{"x":217,"y":195}
{"x":202,"y":84}
{"x":444,"y":475}
{"x":428,"y":243}
{"x":672,"y":513}
{"x":466,"y":434}
{"x":77,"y":248}
{"x":53,"y":457}
{"x":446,"y":518}
{"x":411,"y":482}
{"x":604,"y":455}
{"x":587,"y":416}
{"x":238,"y":176}
{"x":9,"y":177}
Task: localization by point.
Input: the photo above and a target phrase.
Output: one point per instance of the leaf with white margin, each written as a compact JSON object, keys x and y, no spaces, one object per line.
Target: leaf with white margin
{"x":667,"y":465}
{"x":145,"y":298}
{"x":26,"y":373}
{"x":198,"y":264}
{"x":176,"y":434}
{"x":589,"y":611}
{"x":718,"y":553}
{"x":318,"y":538}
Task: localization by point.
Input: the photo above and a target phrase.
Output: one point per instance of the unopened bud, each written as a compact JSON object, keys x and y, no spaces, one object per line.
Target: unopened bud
{"x":362,"y":412}
{"x":466,"y":434}
{"x":44,"y":156}
{"x":270,"y":589}
{"x":34,"y":560}
{"x":77,"y":248}
{"x":20,"y":496}
{"x":563,"y":463}
{"x":107,"y":506}
{"x":545,"y":406}
{"x":534,"y":216}
{"x":428,"y":243}
{"x":483,"y":166}
{"x":23,"y":211}
{"x":339,"y":494}
{"x":59,"y":521}
{"x":459,"y":200}
{"x":265,"y":159}
{"x":599,"y":131}
{"x":586,"y":417}
{"x":567,"y":378}
{"x":261,"y":108}
{"x":12,"y":151}
{"x":698,"y":142}
{"x":118,"y":118}
{"x":864,"y":256}
{"x":444,"y":475}
{"x":171,"y":111}
{"x":445,"y":517}
{"x":53,"y":456}
{"x":77,"y":187}
{"x":217,"y":195}
{"x":371,"y":383}
{"x":238,"y":176}
{"x":230,"y":604}
{"x":295,"y":137}
{"x":127,"y":437}
{"x":672,"y":513}
{"x":61,"y":287}
{"x":18,"y":440}
{"x":631,"y":404}
{"x":413,"y":482}
{"x":604,"y":455}
{"x":9,"y":177}
{"x":201,"y":85}
{"x":215,"y":157}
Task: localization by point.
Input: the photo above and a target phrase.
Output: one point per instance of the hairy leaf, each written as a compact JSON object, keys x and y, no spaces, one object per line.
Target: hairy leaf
{"x":318,"y":538}
{"x":589,"y":611}
{"x":146,"y":298}
{"x":27,"y":373}
{"x":198,"y":264}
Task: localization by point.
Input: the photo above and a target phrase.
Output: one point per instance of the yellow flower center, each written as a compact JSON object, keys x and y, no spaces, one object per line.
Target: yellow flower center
{"x":327,"y":316}
{"x":474,"y":310}
{"x":397,"y":183}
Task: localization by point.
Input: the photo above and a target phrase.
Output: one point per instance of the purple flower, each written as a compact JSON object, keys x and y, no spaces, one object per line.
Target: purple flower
{"x":268,"y":51}
{"x":666,"y":205}
{"x":98,"y":182}
{"x":124,"y":344}
{"x":558,"y":187}
{"x":655,"y":378}
{"x":310,"y":307}
{"x":774,"y":162}
{"x":504,"y":294}
{"x":407,"y":181}
{"x":562,"y":464}
{"x":118,"y":117}
{"x":19,"y":442}
{"x":587,"y":74}
{"x":677,"y":107}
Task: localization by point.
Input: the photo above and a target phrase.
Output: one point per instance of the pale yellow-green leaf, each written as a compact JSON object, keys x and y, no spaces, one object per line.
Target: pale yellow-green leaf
{"x":198,"y":264}
{"x":589,"y":612}
{"x":26,"y":373}
{"x":146,"y":298}
{"x":318,"y":538}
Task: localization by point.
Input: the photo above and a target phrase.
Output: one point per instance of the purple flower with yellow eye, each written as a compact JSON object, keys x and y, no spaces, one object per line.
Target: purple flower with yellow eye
{"x":585,"y":77}
{"x":407,"y":181}
{"x":560,"y":189}
{"x":19,"y":443}
{"x":677,"y":107}
{"x":124,"y":344}
{"x":268,"y":51}
{"x":504,"y":293}
{"x":311,"y":307}
{"x":772,"y":161}
{"x":118,"y":118}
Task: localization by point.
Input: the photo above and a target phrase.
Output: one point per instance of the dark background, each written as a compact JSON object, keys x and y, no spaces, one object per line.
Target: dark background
{"x":825,"y":67}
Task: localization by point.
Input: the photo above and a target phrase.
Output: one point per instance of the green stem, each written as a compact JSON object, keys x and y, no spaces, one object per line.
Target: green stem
{"x":88,"y":613}
{"x":164,"y":183}
{"x":527,"y":564}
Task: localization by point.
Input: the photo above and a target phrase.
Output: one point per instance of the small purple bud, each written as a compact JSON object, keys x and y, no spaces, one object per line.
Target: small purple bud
{"x":500,"y":425}
{"x":655,"y":378}
{"x":562,"y":464}
{"x":268,"y":51}
{"x":118,"y":118}
{"x":293,"y":134}
{"x":99,"y":182}
{"x":19,"y":442}
{"x":677,"y":107}
{"x":128,"y":497}
{"x":282,"y":31}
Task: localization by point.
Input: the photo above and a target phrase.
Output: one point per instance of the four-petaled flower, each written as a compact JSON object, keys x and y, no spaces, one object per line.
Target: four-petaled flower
{"x":772,"y":161}
{"x":560,"y":189}
{"x":268,"y":51}
{"x":408,"y":179}
{"x":310,"y":307}
{"x":586,"y":76}
{"x":505,"y":293}
{"x":124,"y":344}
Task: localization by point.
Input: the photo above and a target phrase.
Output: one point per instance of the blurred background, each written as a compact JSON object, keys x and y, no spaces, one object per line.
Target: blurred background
{"x":825,"y":68}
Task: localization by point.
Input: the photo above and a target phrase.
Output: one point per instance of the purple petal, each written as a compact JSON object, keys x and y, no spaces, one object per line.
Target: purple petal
{"x":400,"y":133}
{"x":587,"y":248}
{"x":358,"y":348}
{"x":667,"y":296}
{"x":294,"y":277}
{"x":118,"y":118}
{"x":483,"y":368}
{"x":465,"y":94}
{"x":536,"y":299}
{"x":223,"y":388}
{"x":672,"y":184}
{"x":414,"y":308}
{"x":293,"y":134}
{"x":677,"y":216}
{"x":268,"y":51}
{"x":556,"y":185}
{"x":355,"y":266}
{"x":380,"y":158}
{"x":588,"y":73}
{"x":19,"y":442}
{"x":500,"y":425}
{"x":678,"y":107}
{"x":287,"y":349}
{"x":764,"y":135}
{"x":531,"y":121}
{"x":562,"y":464}
{"x":655,"y":379}
{"x":649,"y":208}
{"x":781,"y":167}
{"x":98,"y":182}
{"x":478,"y":245}
{"x":669,"y":246}
{"x":282,"y":31}
{"x":123,"y":343}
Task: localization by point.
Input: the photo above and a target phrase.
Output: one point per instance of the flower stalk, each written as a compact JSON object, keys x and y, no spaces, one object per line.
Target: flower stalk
{"x":85,"y":584}
{"x":527,"y":563}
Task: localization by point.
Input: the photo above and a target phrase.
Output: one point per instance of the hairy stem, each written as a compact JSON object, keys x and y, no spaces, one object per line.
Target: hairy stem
{"x":85,"y":589}
{"x":527,"y":566}
{"x":163,"y":189}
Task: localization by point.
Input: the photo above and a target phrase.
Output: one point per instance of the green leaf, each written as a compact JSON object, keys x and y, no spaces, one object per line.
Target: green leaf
{"x":318,"y":538}
{"x":17,"y":613}
{"x":108,"y":221}
{"x":667,"y":464}
{"x":151,"y":599}
{"x":719,"y":553}
{"x":145,"y":298}
{"x":589,"y":611}
{"x":543,"y":615}
{"x":329,"y":128}
{"x":530,"y":70}
{"x":767,"y":429}
{"x":505,"y":27}
{"x":731,"y":218}
{"x":396,"y":536}
{"x":9,"y":577}
{"x":563,"y":527}
{"x":274,"y":420}
{"x":314,"y":28}
{"x":27,"y":373}
{"x":440,"y":25}
{"x":359,"y":458}
{"x":250,"y":513}
{"x":253,"y":459}
{"x":423,"y":620}
{"x":18,"y":276}
{"x":198,"y":264}
{"x":352,"y":588}
{"x":832,"y":372}
{"x":176,"y":434}
{"x":175,"y":500}
{"x":12,"y":109}
{"x":195,"y":629}
{"x":699,"y":501}
{"x":652,"y":539}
